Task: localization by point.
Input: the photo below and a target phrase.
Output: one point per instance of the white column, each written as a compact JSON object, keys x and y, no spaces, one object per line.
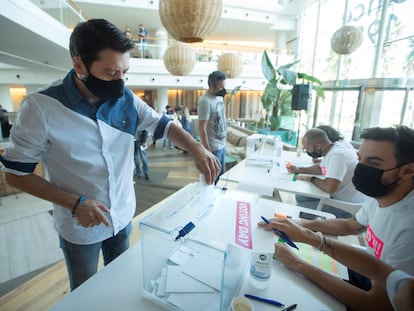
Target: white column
{"x":162,"y":99}
{"x":162,"y":42}
{"x":5,"y":98}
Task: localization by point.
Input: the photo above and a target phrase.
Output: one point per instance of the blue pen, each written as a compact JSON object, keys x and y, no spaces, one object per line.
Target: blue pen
{"x":269,"y":301}
{"x":281,"y":234}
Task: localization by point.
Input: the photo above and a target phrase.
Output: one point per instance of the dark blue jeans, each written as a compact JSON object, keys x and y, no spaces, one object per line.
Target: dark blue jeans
{"x":140,"y":154}
{"x":82,"y":260}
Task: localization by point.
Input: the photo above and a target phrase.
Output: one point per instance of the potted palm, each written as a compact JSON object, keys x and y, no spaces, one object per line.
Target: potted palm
{"x":277,"y":95}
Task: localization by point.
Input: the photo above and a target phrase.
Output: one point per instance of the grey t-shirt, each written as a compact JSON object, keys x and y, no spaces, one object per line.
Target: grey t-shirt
{"x":212,"y":108}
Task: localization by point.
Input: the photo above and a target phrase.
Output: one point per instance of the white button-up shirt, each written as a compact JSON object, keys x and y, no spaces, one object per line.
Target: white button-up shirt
{"x":86,"y":150}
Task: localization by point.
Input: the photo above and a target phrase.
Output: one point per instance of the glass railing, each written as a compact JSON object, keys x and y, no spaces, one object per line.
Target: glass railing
{"x":66,"y":12}
{"x":154,"y":48}
{"x":70,"y":14}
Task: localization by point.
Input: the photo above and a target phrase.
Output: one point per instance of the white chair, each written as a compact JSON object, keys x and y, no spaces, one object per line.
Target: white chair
{"x":349,"y":207}
{"x":352,"y":208}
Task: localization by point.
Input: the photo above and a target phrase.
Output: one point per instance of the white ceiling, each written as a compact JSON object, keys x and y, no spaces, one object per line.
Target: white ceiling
{"x":21,"y":47}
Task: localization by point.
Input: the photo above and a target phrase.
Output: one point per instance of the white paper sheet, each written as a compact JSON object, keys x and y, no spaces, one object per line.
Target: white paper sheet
{"x":195,"y":301}
{"x":182,"y":255}
{"x":205,"y":269}
{"x":162,"y":282}
{"x":206,"y":197}
{"x":235,"y":222}
{"x":263,"y":189}
{"x":178,"y":282}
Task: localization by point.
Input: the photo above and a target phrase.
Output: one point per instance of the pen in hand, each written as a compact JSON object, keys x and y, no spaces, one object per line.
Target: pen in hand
{"x":281,"y":234}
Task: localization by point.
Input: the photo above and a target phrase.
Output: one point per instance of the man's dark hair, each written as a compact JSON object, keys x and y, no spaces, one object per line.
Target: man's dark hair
{"x":215,"y":77}
{"x":90,"y":38}
{"x":333,"y":134}
{"x":402,"y":137}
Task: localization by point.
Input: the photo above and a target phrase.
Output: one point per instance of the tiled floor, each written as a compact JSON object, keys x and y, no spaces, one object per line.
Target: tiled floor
{"x":28,"y":241}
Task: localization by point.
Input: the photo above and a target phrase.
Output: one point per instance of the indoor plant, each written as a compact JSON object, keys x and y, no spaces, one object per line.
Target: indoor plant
{"x":277,"y":95}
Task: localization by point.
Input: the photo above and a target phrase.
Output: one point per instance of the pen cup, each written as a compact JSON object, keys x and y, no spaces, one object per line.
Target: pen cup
{"x":240,"y":303}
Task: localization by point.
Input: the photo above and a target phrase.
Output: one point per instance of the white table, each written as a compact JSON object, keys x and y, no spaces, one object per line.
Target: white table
{"x":118,"y":286}
{"x":264,"y":181}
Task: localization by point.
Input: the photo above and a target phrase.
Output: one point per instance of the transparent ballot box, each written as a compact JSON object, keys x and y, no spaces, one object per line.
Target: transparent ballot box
{"x":183,"y":270}
{"x":263,"y":150}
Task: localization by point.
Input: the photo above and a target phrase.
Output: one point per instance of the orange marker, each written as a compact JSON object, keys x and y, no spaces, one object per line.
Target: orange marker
{"x":277,"y":215}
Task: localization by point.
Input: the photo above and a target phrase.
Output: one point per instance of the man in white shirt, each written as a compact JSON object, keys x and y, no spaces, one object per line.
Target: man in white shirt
{"x":83,"y":129}
{"x":385,"y":173}
{"x":337,"y":167}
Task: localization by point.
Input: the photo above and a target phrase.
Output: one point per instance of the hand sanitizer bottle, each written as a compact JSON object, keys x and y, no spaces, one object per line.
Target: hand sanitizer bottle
{"x":260,"y":269}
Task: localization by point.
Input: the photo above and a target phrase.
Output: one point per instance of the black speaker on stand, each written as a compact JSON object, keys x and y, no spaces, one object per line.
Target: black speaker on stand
{"x":301,"y":95}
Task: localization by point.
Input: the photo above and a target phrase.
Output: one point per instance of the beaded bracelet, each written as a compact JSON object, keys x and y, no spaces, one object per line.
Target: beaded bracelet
{"x":78,"y":202}
{"x":323,"y":244}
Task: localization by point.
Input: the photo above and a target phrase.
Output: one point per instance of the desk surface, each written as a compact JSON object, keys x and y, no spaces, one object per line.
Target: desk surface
{"x":118,"y":286}
{"x":263,"y":180}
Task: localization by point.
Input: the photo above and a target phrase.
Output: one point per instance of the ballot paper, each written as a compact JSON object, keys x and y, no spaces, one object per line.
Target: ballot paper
{"x":161,"y":282}
{"x":179,"y":282}
{"x":182,"y":255}
{"x":195,"y":301}
{"x":210,"y":276}
{"x":206,"y":197}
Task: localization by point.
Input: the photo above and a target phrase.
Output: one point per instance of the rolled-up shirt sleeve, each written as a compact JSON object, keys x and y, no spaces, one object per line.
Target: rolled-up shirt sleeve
{"x":28,"y":140}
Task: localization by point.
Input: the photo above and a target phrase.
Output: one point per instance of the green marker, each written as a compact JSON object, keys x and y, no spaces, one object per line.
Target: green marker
{"x":295,"y":176}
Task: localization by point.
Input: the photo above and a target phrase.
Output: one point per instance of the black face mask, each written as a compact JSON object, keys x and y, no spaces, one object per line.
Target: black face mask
{"x":222,"y":92}
{"x":105,"y":90}
{"x":314,"y":154}
{"x":367,"y":180}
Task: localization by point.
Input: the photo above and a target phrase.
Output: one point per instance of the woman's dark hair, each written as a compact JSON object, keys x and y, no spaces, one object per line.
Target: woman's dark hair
{"x":333,"y":134}
{"x":90,"y":38}
{"x":402,"y":137}
{"x":215,"y":77}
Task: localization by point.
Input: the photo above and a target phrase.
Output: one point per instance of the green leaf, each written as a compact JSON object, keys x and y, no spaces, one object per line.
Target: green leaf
{"x":269,"y":95}
{"x":319,"y":91}
{"x":235,"y":90}
{"x":309,"y":78}
{"x":287,"y":66}
{"x":267,"y":67}
{"x":289,"y":76}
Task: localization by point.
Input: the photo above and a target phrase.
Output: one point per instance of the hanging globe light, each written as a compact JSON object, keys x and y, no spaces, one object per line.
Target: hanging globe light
{"x":346,"y":39}
{"x":190,"y":20}
{"x":231,"y":64}
{"x":179,"y":59}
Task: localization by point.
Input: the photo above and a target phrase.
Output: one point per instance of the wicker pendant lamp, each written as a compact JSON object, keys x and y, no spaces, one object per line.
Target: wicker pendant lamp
{"x":346,"y":39}
{"x":190,"y":20}
{"x":179,"y":59}
{"x":231,"y":64}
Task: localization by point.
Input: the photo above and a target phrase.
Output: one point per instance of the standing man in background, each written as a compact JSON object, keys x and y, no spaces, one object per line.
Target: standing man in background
{"x":140,"y":153}
{"x":212,"y":117}
{"x":142,"y":34}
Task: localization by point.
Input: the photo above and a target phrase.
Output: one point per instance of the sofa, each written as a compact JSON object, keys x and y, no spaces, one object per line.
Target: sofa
{"x":236,"y":141}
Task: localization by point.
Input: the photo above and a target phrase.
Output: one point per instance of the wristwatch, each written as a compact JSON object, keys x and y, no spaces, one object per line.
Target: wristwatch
{"x":312,"y":180}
